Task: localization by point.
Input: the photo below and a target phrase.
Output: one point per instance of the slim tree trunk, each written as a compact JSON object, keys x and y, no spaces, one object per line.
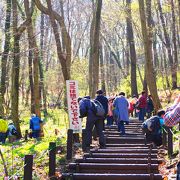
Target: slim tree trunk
{"x":147,"y":39}
{"x":35,"y":51}
{"x":175,"y":64}
{"x":64,"y":57}
{"x":130,"y":36}
{"x":103,"y":84}
{"x":41,"y":65}
{"x":156,"y":61}
{"x":94,"y":51}
{"x":5,"y":56}
{"x":168,"y":47}
{"x":31,"y":81}
{"x":17,"y":32}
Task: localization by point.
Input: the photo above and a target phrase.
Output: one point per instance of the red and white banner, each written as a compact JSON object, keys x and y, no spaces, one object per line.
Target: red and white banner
{"x":73,"y":108}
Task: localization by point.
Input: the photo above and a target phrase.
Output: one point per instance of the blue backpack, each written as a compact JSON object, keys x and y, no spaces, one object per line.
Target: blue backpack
{"x":98,"y":108}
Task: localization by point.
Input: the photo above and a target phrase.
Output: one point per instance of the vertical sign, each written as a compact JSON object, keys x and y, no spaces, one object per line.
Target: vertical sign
{"x":73,"y":107}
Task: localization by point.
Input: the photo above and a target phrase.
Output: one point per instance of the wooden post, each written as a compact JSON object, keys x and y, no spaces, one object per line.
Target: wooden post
{"x":170,"y":142}
{"x":26,"y":135}
{"x":52,"y":159}
{"x":28,"y":167}
{"x":84,"y":140}
{"x":69,"y":144}
{"x":164,"y":137}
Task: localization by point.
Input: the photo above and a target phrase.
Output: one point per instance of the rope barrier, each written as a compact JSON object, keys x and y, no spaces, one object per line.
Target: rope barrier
{"x":17,"y":172}
{"x":174,"y":134}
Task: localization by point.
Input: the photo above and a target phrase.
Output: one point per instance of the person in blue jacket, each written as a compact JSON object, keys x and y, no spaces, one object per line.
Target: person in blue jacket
{"x":87,"y":110}
{"x":35,"y":125}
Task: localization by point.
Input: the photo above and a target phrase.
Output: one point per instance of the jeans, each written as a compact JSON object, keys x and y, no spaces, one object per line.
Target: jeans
{"x":35,"y":133}
{"x":98,"y":123}
{"x":3,"y":137}
{"x":142,"y":113}
{"x":121,"y":128}
{"x":109,"y":120}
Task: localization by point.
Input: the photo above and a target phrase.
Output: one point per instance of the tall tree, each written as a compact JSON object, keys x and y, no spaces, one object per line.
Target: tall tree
{"x":5,"y":56}
{"x":94,"y":49}
{"x":35,"y":52}
{"x":130,"y":36}
{"x":168,"y":47}
{"x":147,"y":40}
{"x":17,"y":32}
{"x":102,"y":70}
{"x":174,"y":39}
{"x":41,"y":65}
{"x":64,"y":57}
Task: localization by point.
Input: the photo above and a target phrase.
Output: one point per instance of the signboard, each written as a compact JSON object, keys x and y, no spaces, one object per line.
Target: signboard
{"x":73,"y":108}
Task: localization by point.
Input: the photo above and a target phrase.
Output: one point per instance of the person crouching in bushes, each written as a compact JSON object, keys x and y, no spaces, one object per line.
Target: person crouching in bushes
{"x":152,"y":128}
{"x":35,"y":126}
{"x":3,"y":130}
{"x":12,"y":132}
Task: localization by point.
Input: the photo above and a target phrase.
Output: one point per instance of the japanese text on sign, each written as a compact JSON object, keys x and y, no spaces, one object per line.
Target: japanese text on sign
{"x":73,"y":107}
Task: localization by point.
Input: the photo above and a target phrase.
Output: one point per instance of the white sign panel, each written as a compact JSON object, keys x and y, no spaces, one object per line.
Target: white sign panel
{"x":73,"y":107}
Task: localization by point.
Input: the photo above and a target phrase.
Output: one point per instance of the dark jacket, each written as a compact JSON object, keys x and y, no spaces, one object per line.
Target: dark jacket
{"x":104,"y":101}
{"x":35,"y":123}
{"x":86,"y":109}
{"x":150,"y":106}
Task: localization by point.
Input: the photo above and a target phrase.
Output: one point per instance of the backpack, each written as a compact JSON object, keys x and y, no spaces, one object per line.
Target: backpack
{"x":14,"y":132}
{"x":98,"y":108}
{"x":152,"y":124}
{"x":84,"y":105}
{"x":3,"y":126}
{"x":137,"y":105}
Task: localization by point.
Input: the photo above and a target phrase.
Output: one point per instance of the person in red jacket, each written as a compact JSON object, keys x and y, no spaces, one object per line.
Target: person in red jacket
{"x":142,"y":103}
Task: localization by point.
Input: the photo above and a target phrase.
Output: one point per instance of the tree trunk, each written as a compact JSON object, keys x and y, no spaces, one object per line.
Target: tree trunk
{"x":5,"y":56}
{"x":94,"y":50}
{"x":33,"y":47}
{"x":168,"y":47}
{"x":103,"y":84}
{"x":17,"y":32}
{"x":15,"y":73}
{"x":130,"y":36}
{"x":31,"y":81}
{"x":147,"y":39}
{"x":156,"y":61}
{"x":64,"y":58}
{"x":175,"y":65}
{"x":41,"y":64}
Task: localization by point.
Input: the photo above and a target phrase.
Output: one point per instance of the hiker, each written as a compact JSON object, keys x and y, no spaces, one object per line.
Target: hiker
{"x":132,"y":109}
{"x":3,"y":130}
{"x":87,"y":110}
{"x":152,"y":128}
{"x":121,"y":112}
{"x":12,"y":132}
{"x":103,"y":100}
{"x":141,"y":105}
{"x":172,"y":115}
{"x":35,"y":126}
{"x":150,"y":106}
{"x":110,"y":112}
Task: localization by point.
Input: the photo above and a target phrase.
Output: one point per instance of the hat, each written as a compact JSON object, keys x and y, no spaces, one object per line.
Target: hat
{"x":99,"y":92}
{"x":87,"y":97}
{"x":11,"y":122}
